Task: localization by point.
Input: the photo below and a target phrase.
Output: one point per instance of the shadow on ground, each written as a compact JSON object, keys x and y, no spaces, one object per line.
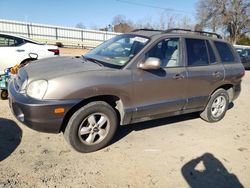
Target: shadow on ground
{"x":123,"y":131}
{"x":207,"y":171}
{"x":10,"y":137}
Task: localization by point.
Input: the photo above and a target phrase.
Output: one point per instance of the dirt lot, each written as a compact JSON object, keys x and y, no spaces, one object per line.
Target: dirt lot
{"x":72,"y":52}
{"x":182,"y":151}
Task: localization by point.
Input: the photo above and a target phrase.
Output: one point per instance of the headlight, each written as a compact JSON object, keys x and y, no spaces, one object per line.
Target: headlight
{"x":37,"y":89}
{"x":23,"y":87}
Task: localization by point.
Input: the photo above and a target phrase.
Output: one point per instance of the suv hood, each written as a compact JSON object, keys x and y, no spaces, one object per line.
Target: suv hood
{"x":59,"y":66}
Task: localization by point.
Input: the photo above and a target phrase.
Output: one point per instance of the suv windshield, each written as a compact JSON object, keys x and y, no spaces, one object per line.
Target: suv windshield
{"x":118,"y":50}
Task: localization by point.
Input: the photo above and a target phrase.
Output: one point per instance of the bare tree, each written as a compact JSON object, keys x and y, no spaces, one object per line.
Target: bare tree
{"x":168,"y":21}
{"x":123,"y":28}
{"x":118,"y":19}
{"x":94,"y":27}
{"x":185,"y":23}
{"x":162,"y":22}
{"x":145,"y":23}
{"x":198,"y":27}
{"x":80,"y":26}
{"x":232,"y":16}
{"x":165,"y":21}
{"x":121,"y":24}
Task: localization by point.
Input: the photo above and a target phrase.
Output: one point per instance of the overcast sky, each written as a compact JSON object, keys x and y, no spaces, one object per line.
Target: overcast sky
{"x":92,"y":12}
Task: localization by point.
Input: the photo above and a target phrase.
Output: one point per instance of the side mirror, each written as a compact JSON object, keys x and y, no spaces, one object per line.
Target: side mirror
{"x":151,"y":63}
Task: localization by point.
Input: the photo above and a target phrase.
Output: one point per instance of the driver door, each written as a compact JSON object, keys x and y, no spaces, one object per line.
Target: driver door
{"x":163,"y":91}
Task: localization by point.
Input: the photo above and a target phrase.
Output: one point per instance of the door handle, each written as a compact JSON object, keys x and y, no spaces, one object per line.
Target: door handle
{"x":20,"y":50}
{"x":178,"y":77}
{"x":217,"y":74}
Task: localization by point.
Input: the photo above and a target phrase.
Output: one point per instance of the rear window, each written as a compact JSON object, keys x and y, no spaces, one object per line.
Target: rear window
{"x":225,"y":52}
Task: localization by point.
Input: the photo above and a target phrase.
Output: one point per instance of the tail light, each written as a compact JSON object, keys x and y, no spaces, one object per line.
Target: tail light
{"x":56,"y":51}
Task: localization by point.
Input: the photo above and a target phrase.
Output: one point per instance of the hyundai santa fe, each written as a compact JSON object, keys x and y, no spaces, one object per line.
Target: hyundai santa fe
{"x":138,"y":76}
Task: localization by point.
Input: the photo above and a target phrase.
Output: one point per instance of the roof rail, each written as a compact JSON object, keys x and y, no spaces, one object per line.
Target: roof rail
{"x":189,"y":30}
{"x":146,"y":30}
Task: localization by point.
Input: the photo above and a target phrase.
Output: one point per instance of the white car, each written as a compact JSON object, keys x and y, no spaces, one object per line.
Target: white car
{"x":17,"y":50}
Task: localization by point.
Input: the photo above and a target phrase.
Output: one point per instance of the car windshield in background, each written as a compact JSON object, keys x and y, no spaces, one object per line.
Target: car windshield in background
{"x":118,"y":50}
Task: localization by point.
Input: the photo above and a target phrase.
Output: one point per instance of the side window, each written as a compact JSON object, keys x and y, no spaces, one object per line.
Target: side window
{"x":225,"y":52}
{"x":167,"y":51}
{"x":248,"y":52}
{"x":197,"y":52}
{"x":212,"y":58}
{"x":3,"y":41}
{"x":8,"y":41}
{"x":244,"y":53}
{"x":11,"y":42}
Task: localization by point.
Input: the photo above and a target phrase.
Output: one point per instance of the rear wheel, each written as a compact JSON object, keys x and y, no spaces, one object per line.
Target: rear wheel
{"x":4,"y":94}
{"x":216,"y":107}
{"x":91,"y":127}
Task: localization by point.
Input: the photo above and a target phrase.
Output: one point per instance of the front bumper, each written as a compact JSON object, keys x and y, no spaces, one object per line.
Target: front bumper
{"x":38,"y":114}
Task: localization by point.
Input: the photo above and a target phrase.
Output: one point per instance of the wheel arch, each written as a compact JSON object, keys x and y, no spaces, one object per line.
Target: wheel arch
{"x":228,"y":87}
{"x":114,"y":101}
{"x":27,"y":59}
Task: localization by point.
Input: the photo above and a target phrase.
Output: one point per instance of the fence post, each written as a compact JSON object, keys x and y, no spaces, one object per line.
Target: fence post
{"x":82,"y":38}
{"x":28,"y":28}
{"x":82,"y":35}
{"x":56,"y":33}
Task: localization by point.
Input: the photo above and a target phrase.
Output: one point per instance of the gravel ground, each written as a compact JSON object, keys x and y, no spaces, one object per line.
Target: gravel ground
{"x":182,"y":151}
{"x":72,"y":52}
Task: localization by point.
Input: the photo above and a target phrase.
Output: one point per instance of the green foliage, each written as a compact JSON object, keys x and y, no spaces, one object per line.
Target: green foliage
{"x":244,"y":40}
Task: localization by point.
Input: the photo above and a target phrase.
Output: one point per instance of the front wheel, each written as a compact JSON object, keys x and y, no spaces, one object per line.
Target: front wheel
{"x":216,"y":107}
{"x":91,"y":127}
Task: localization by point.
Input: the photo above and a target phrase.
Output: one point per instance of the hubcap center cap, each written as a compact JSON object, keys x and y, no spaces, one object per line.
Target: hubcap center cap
{"x":95,"y":129}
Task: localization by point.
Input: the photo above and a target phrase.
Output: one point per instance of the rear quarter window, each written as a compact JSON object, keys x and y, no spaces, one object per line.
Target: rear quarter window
{"x":225,"y":52}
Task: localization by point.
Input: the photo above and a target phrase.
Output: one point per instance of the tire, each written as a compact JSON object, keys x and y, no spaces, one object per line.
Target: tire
{"x":4,"y":94}
{"x":216,"y":107}
{"x":91,"y":127}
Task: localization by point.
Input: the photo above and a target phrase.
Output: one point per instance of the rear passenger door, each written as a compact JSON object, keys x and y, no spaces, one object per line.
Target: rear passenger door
{"x":205,"y":73}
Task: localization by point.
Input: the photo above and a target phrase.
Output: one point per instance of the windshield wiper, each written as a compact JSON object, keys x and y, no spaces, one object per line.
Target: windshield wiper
{"x":98,"y":62}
